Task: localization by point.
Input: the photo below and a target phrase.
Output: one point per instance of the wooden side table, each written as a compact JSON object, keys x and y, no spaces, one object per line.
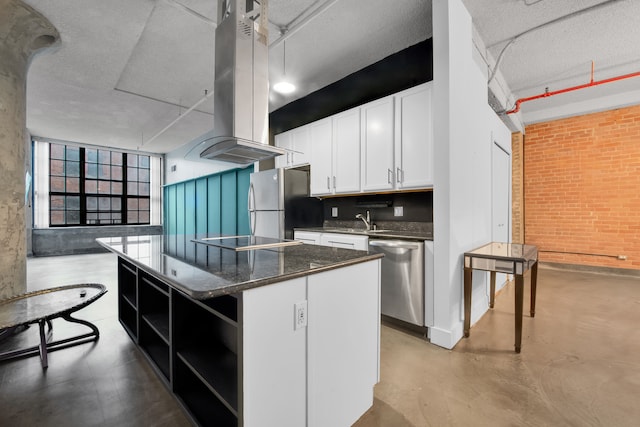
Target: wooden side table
{"x":511,"y":258}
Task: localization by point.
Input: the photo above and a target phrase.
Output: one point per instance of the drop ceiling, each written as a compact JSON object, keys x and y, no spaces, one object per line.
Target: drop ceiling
{"x":125,"y":69}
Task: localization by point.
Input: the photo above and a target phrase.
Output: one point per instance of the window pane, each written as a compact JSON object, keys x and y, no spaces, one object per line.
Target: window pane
{"x":116,"y":172}
{"x":144,"y":217}
{"x":91,"y":186}
{"x":132,"y":204}
{"x":91,"y":217}
{"x":132,"y":160}
{"x":56,"y":167}
{"x":116,"y":217}
{"x":143,"y":175}
{"x":104,"y":156}
{"x":143,"y":189}
{"x":92,"y":204}
{"x":56,"y":151}
{"x":132,"y":217}
{"x":116,"y":158}
{"x":73,"y":153}
{"x":116,"y":203}
{"x":91,"y":155}
{"x":104,"y":187}
{"x":57,"y":183}
{"x":105,"y":217}
{"x":132,"y":188}
{"x":132,"y":174}
{"x":104,"y":172}
{"x":143,"y":204}
{"x":73,"y":168}
{"x":73,"y":185}
{"x":73,"y":217}
{"x":57,"y":202}
{"x":104,"y":204}
{"x":57,"y":217}
{"x":143,"y":161}
{"x":90,"y":170}
{"x":116,"y":188}
{"x":73,"y":203}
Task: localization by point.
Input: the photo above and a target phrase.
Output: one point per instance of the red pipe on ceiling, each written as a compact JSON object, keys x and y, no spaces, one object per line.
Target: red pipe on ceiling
{"x":571,"y":89}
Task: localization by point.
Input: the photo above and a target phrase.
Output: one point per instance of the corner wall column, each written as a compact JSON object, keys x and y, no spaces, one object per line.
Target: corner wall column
{"x":23,"y":32}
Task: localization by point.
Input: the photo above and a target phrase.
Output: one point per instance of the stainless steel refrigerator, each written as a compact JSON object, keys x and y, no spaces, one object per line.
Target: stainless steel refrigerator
{"x":279,"y":201}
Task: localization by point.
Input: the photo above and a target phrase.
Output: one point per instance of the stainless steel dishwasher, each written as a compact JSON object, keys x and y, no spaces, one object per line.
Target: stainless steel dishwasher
{"x":402,"y":285}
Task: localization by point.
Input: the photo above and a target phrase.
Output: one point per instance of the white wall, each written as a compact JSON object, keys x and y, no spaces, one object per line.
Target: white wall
{"x":462,"y":166}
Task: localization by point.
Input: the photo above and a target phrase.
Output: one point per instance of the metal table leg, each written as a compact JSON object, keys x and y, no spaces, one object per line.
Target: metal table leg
{"x":468,"y":274}
{"x":518,"y":308}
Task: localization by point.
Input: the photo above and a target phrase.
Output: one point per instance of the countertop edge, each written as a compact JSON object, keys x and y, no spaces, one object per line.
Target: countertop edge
{"x":243,"y":286}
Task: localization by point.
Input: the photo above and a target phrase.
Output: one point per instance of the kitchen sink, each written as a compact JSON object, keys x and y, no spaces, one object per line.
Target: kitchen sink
{"x":355,"y":230}
{"x":379,"y":231}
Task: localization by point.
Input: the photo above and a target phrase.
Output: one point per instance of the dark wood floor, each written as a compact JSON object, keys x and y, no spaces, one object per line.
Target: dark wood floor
{"x":579,"y":364}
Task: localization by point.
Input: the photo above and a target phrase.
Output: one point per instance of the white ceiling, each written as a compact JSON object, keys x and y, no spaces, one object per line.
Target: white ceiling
{"x":125,"y":69}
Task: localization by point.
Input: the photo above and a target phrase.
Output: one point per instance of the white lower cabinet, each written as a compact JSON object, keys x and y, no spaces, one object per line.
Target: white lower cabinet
{"x":308,"y":237}
{"x":346,"y":241}
{"x":319,"y":375}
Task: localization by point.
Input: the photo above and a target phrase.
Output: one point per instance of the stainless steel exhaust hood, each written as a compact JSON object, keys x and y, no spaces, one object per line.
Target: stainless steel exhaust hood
{"x":241,"y":88}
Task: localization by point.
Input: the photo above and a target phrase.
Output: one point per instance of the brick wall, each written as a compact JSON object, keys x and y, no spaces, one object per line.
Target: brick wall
{"x":517,"y":188}
{"x":582,"y":188}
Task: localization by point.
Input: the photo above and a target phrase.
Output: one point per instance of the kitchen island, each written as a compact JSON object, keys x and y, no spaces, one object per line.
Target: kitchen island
{"x":283,"y":336}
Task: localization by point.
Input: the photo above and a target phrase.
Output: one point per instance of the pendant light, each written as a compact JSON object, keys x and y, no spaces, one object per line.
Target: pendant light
{"x":284,"y":86}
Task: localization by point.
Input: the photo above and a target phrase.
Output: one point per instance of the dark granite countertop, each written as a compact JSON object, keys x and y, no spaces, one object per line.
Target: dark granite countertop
{"x":203,"y":271}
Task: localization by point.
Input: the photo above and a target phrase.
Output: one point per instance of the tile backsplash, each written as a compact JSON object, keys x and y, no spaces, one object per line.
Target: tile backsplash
{"x":400,"y":207}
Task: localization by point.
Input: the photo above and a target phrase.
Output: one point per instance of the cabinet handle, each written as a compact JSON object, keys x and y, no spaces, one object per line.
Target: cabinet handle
{"x":334,"y":181}
{"x":399,"y":177}
{"x":389,"y":176}
{"x":328,"y":183}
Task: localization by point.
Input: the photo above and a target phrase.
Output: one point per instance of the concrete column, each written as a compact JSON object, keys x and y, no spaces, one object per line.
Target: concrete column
{"x":23,"y":32}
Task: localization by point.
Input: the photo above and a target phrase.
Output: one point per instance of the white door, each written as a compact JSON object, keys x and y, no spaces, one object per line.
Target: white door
{"x":500,"y":194}
{"x":283,"y":140}
{"x":377,"y":145}
{"x":346,"y":155}
{"x":301,"y":146}
{"x":321,"y":157}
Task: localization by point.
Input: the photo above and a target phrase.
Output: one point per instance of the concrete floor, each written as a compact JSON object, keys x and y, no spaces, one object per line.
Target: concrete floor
{"x":579,"y":364}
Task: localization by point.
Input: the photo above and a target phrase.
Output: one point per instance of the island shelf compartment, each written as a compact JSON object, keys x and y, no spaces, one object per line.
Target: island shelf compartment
{"x":154,"y":324}
{"x":200,"y":402}
{"x":206,"y":342}
{"x":128,"y":297}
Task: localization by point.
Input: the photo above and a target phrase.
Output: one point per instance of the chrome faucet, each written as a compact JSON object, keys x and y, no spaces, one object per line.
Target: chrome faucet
{"x":367,"y":220}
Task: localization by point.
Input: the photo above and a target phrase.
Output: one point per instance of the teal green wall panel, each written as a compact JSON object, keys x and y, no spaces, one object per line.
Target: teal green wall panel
{"x":242,"y":201}
{"x":201,"y":206}
{"x":228,"y":203}
{"x":190,"y":207}
{"x":213,"y":204}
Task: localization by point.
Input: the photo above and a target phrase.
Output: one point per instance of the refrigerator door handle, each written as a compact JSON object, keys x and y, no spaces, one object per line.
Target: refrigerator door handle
{"x":251,"y":203}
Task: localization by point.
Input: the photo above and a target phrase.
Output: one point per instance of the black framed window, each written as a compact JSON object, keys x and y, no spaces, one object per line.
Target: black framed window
{"x":92,"y":186}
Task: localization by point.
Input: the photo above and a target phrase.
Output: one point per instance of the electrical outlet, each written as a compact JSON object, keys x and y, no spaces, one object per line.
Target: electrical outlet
{"x":300,"y":310}
{"x":398,"y":211}
{"x":334,"y":212}
{"x":173,"y":168}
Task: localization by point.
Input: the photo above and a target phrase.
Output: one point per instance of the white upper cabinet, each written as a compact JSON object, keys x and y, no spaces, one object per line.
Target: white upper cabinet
{"x":377,"y":145}
{"x":335,"y":154}
{"x":397,"y":141}
{"x":321,"y":157}
{"x":297,"y":142}
{"x":346,"y":152}
{"x":414,"y":138}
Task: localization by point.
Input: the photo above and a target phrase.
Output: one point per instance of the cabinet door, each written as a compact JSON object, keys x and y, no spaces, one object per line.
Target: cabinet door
{"x":346,"y":152}
{"x":346,"y":241}
{"x":283,"y":140}
{"x":342,"y":343}
{"x":321,"y":157}
{"x":301,"y":146}
{"x":414,"y":138}
{"x":274,"y":353}
{"x":308,"y":237}
{"x":377,"y":145}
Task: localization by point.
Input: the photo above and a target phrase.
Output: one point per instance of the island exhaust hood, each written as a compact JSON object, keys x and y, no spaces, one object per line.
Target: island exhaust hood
{"x":241,"y":88}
